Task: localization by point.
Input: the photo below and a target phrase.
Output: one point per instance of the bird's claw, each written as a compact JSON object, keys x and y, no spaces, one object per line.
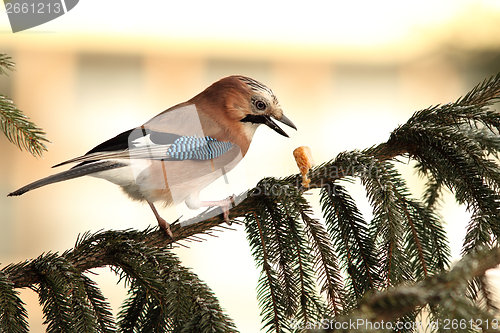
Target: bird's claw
{"x":225,"y":209}
{"x":169,"y":232}
{"x":226,"y":217}
{"x":165,"y":226}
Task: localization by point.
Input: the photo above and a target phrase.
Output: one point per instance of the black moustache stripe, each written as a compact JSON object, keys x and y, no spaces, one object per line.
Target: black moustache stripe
{"x":256,"y":119}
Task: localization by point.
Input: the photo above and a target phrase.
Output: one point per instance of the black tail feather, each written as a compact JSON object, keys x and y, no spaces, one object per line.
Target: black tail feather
{"x":78,"y":171}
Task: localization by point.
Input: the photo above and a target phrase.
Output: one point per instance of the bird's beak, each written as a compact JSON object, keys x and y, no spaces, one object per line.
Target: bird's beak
{"x":269,"y":122}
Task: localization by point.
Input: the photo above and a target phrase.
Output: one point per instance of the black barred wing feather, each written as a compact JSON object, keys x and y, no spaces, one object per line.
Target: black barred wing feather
{"x":193,"y":148}
{"x":142,"y":143}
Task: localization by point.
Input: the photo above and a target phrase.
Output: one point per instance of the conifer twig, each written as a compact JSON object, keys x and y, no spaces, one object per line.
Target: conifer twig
{"x":20,"y":130}
{"x":5,"y":63}
{"x":15,"y":125}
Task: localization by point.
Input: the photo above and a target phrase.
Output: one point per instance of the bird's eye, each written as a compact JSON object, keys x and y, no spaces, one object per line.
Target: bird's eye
{"x":260,"y":105}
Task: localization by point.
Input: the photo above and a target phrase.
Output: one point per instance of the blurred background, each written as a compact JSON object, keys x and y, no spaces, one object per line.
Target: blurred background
{"x":346,"y":72}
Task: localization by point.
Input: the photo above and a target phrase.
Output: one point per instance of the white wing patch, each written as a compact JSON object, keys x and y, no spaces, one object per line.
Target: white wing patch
{"x":183,"y":148}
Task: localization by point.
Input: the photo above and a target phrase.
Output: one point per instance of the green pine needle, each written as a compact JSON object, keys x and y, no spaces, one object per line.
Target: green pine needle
{"x":20,"y":130}
{"x":6,"y":63}
{"x":15,"y":125}
{"x":13,"y":314}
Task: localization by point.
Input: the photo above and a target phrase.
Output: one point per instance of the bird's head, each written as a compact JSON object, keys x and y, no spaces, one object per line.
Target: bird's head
{"x":248,"y":102}
{"x":263,"y":107}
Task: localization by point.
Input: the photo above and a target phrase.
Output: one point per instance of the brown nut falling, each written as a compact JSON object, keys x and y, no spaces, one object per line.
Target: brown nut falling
{"x":304,"y":160}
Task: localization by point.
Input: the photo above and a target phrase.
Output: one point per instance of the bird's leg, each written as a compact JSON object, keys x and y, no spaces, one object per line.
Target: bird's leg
{"x":164,"y":225}
{"x":223,"y":204}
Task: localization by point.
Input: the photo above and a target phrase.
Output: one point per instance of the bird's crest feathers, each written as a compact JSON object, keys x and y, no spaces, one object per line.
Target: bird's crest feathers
{"x":258,"y":87}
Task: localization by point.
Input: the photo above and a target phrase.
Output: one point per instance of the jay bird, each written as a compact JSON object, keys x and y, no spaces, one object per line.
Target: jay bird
{"x":177,"y":153}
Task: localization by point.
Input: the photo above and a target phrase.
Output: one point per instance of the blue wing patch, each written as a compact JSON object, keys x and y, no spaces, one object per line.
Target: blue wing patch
{"x":194,"y":148}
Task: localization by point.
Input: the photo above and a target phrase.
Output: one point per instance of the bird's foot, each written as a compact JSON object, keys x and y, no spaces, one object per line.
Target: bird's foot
{"x":225,"y":205}
{"x":226,"y":210}
{"x":165,"y":226}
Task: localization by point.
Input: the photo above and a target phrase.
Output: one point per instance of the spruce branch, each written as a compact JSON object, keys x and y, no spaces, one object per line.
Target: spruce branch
{"x":326,"y":262}
{"x":72,"y":302}
{"x":485,"y":93}
{"x":99,"y":306}
{"x":452,"y":145}
{"x":427,"y":239}
{"x":442,"y":295}
{"x":55,"y":282}
{"x":383,"y":188}
{"x":268,"y":285}
{"x":15,"y":125}
{"x":13,"y":315}
{"x":414,"y":243}
{"x":310,"y":305}
{"x":132,"y":309}
{"x":353,"y":243}
{"x":20,"y":130}
{"x":444,"y":291}
{"x":6,"y":63}
{"x":433,"y":191}
{"x":280,"y":247}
